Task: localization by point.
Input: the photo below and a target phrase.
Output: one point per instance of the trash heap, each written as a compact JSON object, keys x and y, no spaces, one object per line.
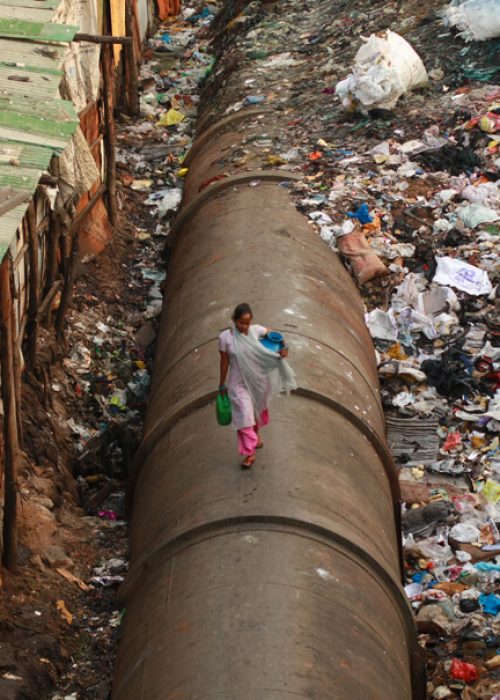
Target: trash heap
{"x":400,"y":176}
{"x":108,"y":366}
{"x":104,"y":380}
{"x":153,"y":149}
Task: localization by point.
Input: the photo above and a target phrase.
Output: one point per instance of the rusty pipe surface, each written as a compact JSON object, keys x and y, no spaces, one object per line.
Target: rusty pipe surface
{"x":283,"y":582}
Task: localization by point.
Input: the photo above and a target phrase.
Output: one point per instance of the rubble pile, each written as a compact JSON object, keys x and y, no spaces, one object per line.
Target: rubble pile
{"x":153,"y":149}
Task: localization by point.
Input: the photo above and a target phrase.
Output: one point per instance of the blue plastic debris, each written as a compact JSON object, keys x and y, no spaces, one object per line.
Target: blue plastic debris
{"x":490,"y":603}
{"x":254,"y":99}
{"x":361,"y":214}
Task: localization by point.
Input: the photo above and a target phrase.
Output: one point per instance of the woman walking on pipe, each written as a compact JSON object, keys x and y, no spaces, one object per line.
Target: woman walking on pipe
{"x":255,"y":374}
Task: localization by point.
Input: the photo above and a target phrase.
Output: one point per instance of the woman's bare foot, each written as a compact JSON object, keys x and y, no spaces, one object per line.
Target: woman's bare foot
{"x":247,"y":462}
{"x":259,"y":445}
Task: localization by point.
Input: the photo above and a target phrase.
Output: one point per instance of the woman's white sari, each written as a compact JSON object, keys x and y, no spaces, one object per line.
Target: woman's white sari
{"x":264,"y":372}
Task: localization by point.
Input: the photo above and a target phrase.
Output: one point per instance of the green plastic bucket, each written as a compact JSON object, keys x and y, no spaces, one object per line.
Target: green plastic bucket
{"x":223,"y":409}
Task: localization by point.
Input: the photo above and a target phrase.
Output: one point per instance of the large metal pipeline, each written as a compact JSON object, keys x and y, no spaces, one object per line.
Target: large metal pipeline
{"x":283,"y":582}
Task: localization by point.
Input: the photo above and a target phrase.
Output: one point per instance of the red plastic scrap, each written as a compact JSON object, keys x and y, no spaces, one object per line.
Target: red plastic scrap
{"x":453,"y":439}
{"x":205,"y":184}
{"x":462,"y":671}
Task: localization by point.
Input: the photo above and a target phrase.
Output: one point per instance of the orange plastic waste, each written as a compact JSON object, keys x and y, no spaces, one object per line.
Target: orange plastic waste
{"x":168,"y":8}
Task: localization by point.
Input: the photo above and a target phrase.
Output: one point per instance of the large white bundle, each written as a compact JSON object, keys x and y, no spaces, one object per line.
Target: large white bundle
{"x":476,"y":20}
{"x":385,"y":67}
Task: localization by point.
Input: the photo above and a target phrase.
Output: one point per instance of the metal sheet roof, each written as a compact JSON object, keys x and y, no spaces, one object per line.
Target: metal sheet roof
{"x":21,"y":82}
{"x":35,"y":13}
{"x":25,"y":155}
{"x":39,"y":4}
{"x":43,"y":58}
{"x":38,"y":31}
{"x":35,"y":122}
{"x":50,"y":123}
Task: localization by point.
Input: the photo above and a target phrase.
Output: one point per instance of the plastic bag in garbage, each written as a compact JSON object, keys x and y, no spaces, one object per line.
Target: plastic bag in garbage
{"x":476,"y":20}
{"x":461,"y":275}
{"x":165,"y":200}
{"x":385,"y":67}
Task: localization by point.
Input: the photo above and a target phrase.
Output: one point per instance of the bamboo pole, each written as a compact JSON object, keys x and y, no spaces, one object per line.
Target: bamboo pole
{"x":100,"y":39}
{"x":53,"y":246}
{"x":9,"y":554}
{"x":54,"y":239}
{"x":44,"y":308}
{"x":110,"y":138}
{"x":69,"y":278}
{"x":131,"y":87}
{"x":33,"y":286}
{"x":17,"y":362}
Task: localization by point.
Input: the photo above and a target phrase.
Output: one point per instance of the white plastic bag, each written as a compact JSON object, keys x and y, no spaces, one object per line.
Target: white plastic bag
{"x":461,"y":275}
{"x":476,"y":20}
{"x":464,"y":532}
{"x":385,"y":67}
{"x":382,"y":324}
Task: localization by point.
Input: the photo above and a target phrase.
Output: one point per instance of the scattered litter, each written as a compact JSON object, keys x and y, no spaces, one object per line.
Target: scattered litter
{"x":73,"y":579}
{"x":61,"y":606}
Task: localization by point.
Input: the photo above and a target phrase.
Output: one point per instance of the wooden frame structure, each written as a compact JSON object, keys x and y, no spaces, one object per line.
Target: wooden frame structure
{"x":37,"y":271}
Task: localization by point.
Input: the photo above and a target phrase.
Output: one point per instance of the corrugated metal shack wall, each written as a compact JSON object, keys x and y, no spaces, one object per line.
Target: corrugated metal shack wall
{"x":283,"y":582}
{"x":79,"y":74}
{"x":56,"y":181}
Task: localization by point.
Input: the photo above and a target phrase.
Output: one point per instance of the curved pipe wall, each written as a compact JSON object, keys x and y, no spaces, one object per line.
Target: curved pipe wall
{"x":282,"y":583}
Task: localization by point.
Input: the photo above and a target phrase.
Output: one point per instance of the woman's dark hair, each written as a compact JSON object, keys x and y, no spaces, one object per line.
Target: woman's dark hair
{"x":241,"y":310}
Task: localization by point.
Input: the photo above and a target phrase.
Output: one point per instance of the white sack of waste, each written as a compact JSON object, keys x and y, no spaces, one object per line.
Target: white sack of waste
{"x":461,"y":275}
{"x":382,"y":324}
{"x":476,"y":20}
{"x":166,"y":200}
{"x":475,"y":214}
{"x":385,"y":67}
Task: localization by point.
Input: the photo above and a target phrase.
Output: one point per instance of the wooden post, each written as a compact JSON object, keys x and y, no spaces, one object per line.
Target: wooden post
{"x":54,"y":233}
{"x":102,"y":39}
{"x":131,"y":87}
{"x":33,"y":285}
{"x":53,"y":247}
{"x":69,"y":277}
{"x":17,"y":362}
{"x":109,"y":140}
{"x":9,"y":554}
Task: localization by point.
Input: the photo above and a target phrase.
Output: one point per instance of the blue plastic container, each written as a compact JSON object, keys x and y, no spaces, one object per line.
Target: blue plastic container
{"x":273,"y":341}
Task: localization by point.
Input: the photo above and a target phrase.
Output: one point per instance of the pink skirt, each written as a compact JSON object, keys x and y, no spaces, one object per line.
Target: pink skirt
{"x":248,"y":438}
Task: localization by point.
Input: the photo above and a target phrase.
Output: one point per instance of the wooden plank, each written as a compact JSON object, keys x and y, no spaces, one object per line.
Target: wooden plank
{"x":9,"y":200}
{"x":33,"y":287}
{"x":45,"y":31}
{"x":11,"y":445}
{"x":102,"y":39}
{"x":110,"y":140}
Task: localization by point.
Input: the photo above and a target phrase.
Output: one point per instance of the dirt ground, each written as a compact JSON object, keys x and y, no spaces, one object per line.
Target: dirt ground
{"x":59,"y":618}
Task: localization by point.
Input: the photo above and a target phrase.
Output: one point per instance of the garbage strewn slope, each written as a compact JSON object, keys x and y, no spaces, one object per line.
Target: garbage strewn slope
{"x":407,"y":190}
